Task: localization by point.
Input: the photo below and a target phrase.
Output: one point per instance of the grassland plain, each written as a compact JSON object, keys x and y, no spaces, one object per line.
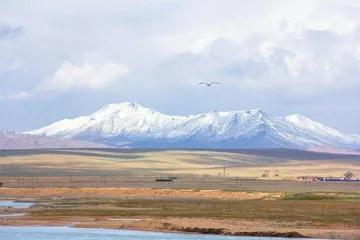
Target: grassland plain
{"x":155,"y":162}
{"x":112,"y":188}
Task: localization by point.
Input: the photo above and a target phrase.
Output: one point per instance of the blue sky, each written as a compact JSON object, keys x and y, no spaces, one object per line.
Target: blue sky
{"x":69,"y":58}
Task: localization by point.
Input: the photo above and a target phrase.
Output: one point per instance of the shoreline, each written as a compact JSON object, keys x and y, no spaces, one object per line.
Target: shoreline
{"x":169,"y":226}
{"x":215,"y":232}
{"x":195,"y":231}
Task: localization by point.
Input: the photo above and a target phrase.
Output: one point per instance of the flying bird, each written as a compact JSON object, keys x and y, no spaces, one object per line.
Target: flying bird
{"x":209,"y":84}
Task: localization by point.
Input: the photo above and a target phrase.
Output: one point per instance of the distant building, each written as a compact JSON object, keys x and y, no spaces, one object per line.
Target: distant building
{"x":309,"y":178}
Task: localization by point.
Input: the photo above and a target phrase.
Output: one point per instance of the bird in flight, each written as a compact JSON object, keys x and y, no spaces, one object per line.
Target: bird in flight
{"x":209,"y":84}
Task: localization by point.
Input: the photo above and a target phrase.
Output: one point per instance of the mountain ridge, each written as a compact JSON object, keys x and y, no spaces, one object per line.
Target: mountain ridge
{"x":15,"y":140}
{"x":138,"y":126}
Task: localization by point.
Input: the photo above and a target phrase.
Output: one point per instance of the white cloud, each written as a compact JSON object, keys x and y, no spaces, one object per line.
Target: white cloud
{"x":88,"y":75}
{"x":22,"y":95}
{"x":302,"y":61}
{"x":91,"y":71}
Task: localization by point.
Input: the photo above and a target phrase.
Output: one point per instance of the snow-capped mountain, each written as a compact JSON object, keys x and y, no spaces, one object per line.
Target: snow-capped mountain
{"x":132,"y":125}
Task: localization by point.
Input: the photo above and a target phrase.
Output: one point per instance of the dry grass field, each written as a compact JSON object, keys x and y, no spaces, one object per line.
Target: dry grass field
{"x":152,"y":162}
{"x":195,"y":169}
{"x":317,"y":215}
{"x":105,"y":187}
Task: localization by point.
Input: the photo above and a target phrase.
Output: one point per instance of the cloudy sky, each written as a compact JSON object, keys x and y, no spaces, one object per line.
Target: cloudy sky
{"x":62,"y":59}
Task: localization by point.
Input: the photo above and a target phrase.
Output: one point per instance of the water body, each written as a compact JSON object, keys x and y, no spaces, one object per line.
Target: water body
{"x":14,"y":204}
{"x":12,"y":215}
{"x":66,"y":233}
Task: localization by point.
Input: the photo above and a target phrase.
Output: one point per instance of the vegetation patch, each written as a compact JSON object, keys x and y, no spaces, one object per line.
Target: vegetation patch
{"x":349,"y":197}
{"x":321,"y":212}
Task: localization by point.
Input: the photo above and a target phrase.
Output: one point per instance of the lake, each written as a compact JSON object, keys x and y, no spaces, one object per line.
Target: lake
{"x":14,"y":204}
{"x":67,"y":233}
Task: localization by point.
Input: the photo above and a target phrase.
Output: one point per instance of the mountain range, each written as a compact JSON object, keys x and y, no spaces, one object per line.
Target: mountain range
{"x":129,"y":124}
{"x":15,"y":140}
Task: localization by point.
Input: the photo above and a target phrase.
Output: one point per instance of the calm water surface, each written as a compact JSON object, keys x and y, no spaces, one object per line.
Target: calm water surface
{"x":15,"y":204}
{"x":66,"y":233}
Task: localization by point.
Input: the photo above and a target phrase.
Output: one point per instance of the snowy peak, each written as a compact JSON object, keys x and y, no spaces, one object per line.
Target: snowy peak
{"x":306,"y":123}
{"x":121,"y":107}
{"x":296,"y":118}
{"x":301,"y":120}
{"x":144,"y":127}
